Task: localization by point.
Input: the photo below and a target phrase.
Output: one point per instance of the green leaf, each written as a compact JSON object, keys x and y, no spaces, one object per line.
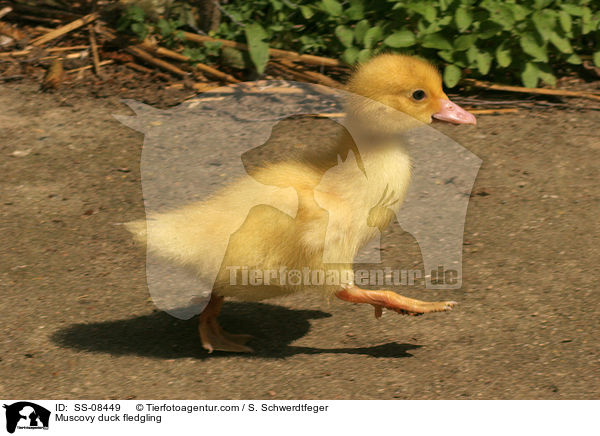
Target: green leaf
{"x":489,"y":29}
{"x":574,"y":59}
{"x":459,"y":58}
{"x":373,"y":35}
{"x":576,"y":11}
{"x":484,"y":62}
{"x":356,"y":11}
{"x":404,"y":38}
{"x":164,"y":27}
{"x":427,"y":11}
{"x":436,"y":40}
{"x":545,"y":73}
{"x":503,"y":15}
{"x":463,"y":18}
{"x":463,"y":42}
{"x":530,"y":45}
{"x":561,"y":43}
{"x":597,"y":58}
{"x":345,"y":35}
{"x":307,"y":12}
{"x":588,"y":23}
{"x":472,"y":54}
{"x":544,"y":22}
{"x":565,"y":21}
{"x":520,"y":12}
{"x":350,"y":55}
{"x":257,"y":46}
{"x":540,"y":4}
{"x":444,"y":4}
{"x":136,"y":13}
{"x":332,"y":7}
{"x":530,"y":75}
{"x":361,"y":30}
{"x":448,"y":56}
{"x":503,"y":56}
{"x":364,"y":55}
{"x":140,"y":30}
{"x":452,"y":75}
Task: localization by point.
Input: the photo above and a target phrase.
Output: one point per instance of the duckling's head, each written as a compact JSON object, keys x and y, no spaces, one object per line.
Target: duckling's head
{"x":406,"y":84}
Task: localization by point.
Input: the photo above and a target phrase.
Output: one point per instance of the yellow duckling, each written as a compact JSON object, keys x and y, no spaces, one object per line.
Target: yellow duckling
{"x":340,"y":207}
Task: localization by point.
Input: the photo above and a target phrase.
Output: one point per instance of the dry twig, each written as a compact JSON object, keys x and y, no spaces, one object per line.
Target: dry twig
{"x":94,"y":47}
{"x":145,"y":56}
{"x":494,"y":111}
{"x":311,"y":76}
{"x":65,"y":29}
{"x":291,"y":55}
{"x":54,"y":76}
{"x":540,"y":91}
{"x":89,"y":67}
{"x":5,"y":11}
{"x":161,"y":51}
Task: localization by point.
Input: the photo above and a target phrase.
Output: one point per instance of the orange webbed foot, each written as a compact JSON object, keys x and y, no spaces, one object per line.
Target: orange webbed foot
{"x":381,"y":299}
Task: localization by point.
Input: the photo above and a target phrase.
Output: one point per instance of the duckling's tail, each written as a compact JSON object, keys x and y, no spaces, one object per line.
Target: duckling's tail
{"x":139,"y":230}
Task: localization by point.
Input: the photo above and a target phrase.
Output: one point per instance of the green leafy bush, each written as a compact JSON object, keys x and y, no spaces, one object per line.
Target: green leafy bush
{"x":505,"y":40}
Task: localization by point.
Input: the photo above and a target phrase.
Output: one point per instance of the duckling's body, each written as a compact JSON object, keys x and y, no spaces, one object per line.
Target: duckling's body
{"x":333,"y":209}
{"x":328,"y":214}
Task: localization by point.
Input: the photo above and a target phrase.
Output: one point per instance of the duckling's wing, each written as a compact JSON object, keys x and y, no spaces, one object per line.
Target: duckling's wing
{"x":193,"y":241}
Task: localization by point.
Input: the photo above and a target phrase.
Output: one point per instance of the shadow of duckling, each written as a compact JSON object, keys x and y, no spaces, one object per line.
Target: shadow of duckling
{"x":159,"y":335}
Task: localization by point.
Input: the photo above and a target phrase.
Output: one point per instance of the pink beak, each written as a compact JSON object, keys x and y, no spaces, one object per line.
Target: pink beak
{"x":454,"y":113}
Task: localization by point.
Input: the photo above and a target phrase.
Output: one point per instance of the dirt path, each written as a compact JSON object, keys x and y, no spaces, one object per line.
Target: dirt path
{"x":77,"y":322}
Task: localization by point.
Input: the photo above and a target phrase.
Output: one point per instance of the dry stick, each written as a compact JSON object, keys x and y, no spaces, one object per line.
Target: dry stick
{"x":54,"y":75}
{"x":541,"y":91}
{"x":493,"y":111}
{"x":49,"y":50}
{"x":297,"y":57}
{"x":215,"y":73}
{"x":5,"y":11}
{"x":73,"y":47}
{"x":65,"y":29}
{"x":311,"y":75}
{"x":94,"y":47}
{"x":143,"y":69}
{"x":88,"y":67}
{"x":161,"y":51}
{"x":145,"y":56}
{"x":69,"y":56}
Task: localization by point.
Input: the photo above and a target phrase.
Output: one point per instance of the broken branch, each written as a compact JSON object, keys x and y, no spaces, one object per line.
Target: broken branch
{"x":145,"y":56}
{"x":493,"y":111}
{"x":540,"y":91}
{"x":311,"y":76}
{"x":5,"y":11}
{"x":94,"y":47}
{"x":65,"y":29}
{"x":89,"y":67}
{"x":161,"y":51}
{"x":54,"y":76}
{"x":297,"y":57}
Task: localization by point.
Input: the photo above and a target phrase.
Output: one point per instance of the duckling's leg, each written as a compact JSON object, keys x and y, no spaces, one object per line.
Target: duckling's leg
{"x":390,"y":300}
{"x":213,"y":336}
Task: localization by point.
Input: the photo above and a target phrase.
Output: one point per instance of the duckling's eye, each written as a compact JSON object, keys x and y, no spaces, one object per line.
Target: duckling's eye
{"x":419,"y":94}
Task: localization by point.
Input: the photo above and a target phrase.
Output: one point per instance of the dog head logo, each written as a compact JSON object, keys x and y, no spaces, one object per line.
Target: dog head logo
{"x":26,"y":415}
